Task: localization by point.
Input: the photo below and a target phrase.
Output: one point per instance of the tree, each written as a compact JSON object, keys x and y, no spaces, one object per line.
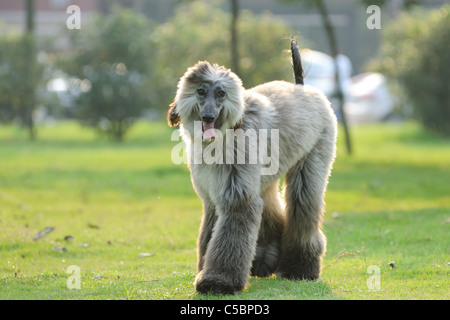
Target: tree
{"x":415,"y":53}
{"x":332,"y":41}
{"x":334,"y":53}
{"x":20,"y":75}
{"x":28,"y":104}
{"x":234,"y":36}
{"x":111,"y":58}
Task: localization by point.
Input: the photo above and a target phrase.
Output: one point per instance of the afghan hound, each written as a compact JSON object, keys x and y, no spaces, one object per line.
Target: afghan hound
{"x":247,"y":227}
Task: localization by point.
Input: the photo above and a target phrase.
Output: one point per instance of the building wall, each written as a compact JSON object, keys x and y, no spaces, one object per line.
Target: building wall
{"x":50,"y":15}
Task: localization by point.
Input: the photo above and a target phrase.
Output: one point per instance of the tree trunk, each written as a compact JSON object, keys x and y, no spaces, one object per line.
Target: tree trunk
{"x":334,"y":53}
{"x":234,"y":36}
{"x":30,"y":72}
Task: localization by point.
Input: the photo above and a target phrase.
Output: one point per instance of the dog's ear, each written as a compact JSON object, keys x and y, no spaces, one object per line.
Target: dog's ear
{"x":173,"y":118}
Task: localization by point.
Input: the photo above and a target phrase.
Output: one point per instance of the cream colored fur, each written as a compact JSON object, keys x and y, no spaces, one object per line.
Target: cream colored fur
{"x":248,"y":227}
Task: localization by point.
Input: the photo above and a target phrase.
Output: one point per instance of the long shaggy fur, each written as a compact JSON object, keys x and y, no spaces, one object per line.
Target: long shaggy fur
{"x":247,"y":226}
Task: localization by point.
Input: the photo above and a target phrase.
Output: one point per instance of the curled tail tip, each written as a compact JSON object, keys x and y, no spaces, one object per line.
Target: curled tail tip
{"x":297,"y":62}
{"x":293,"y":42}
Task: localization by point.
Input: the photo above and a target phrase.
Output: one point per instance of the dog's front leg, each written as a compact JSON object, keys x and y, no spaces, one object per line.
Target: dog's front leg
{"x":206,"y":228}
{"x":231,"y":250}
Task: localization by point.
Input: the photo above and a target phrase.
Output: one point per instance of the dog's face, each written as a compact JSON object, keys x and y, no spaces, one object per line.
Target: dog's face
{"x":210,"y":100}
{"x":210,"y":94}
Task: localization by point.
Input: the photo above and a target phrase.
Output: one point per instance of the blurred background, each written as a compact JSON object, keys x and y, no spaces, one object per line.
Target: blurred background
{"x":114,"y":62}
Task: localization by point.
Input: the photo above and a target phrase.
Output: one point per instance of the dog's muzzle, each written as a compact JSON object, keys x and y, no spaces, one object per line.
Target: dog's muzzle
{"x":208,"y":127}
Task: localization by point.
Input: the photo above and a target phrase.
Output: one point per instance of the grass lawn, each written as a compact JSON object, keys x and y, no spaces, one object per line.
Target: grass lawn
{"x":128,"y":218}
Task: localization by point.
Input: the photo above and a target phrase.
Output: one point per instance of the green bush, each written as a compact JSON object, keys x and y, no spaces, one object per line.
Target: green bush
{"x":111,"y":58}
{"x":415,"y":53}
{"x":20,"y":76}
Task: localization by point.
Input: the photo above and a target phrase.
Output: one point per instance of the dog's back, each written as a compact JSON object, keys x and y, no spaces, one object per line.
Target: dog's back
{"x":302,"y":114}
{"x":295,"y":109}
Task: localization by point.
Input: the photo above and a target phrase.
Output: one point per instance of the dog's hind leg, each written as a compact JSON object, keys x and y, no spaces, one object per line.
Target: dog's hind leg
{"x":303,"y":243}
{"x":268,"y":248}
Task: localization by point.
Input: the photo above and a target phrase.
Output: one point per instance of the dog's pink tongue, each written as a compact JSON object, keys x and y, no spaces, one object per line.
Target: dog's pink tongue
{"x":208,"y":131}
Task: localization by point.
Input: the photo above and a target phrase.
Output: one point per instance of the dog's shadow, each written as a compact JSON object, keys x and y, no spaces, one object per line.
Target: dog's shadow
{"x":273,"y":288}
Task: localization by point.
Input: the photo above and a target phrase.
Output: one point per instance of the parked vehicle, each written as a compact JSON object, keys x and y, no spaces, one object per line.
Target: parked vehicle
{"x":368,"y":99}
{"x":366,"y":95}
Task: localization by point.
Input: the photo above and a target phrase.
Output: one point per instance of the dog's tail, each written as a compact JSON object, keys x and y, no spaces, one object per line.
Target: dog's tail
{"x":297,"y":63}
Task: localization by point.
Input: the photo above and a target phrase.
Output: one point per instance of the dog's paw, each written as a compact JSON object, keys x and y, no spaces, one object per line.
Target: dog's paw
{"x":261,"y":268}
{"x":300,"y":270}
{"x":217,"y":283}
{"x":298,"y":275}
{"x":266,"y":261}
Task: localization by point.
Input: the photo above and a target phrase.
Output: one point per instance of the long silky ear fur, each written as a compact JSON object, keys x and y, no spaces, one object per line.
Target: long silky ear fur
{"x":173,"y":118}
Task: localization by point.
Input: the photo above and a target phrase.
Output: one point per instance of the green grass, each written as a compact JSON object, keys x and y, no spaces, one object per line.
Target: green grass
{"x":389,"y":201}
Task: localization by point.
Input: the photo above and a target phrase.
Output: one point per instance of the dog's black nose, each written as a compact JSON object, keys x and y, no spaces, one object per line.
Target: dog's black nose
{"x":208,"y":118}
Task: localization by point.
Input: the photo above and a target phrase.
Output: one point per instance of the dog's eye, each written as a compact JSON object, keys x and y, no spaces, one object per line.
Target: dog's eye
{"x":201,"y":92}
{"x":221,"y":94}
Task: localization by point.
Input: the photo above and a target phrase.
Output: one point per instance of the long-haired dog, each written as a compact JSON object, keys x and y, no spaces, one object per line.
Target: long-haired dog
{"x":247,"y":228}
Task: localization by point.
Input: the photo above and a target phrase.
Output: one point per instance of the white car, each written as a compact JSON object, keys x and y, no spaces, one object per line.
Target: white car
{"x":368,"y":99}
